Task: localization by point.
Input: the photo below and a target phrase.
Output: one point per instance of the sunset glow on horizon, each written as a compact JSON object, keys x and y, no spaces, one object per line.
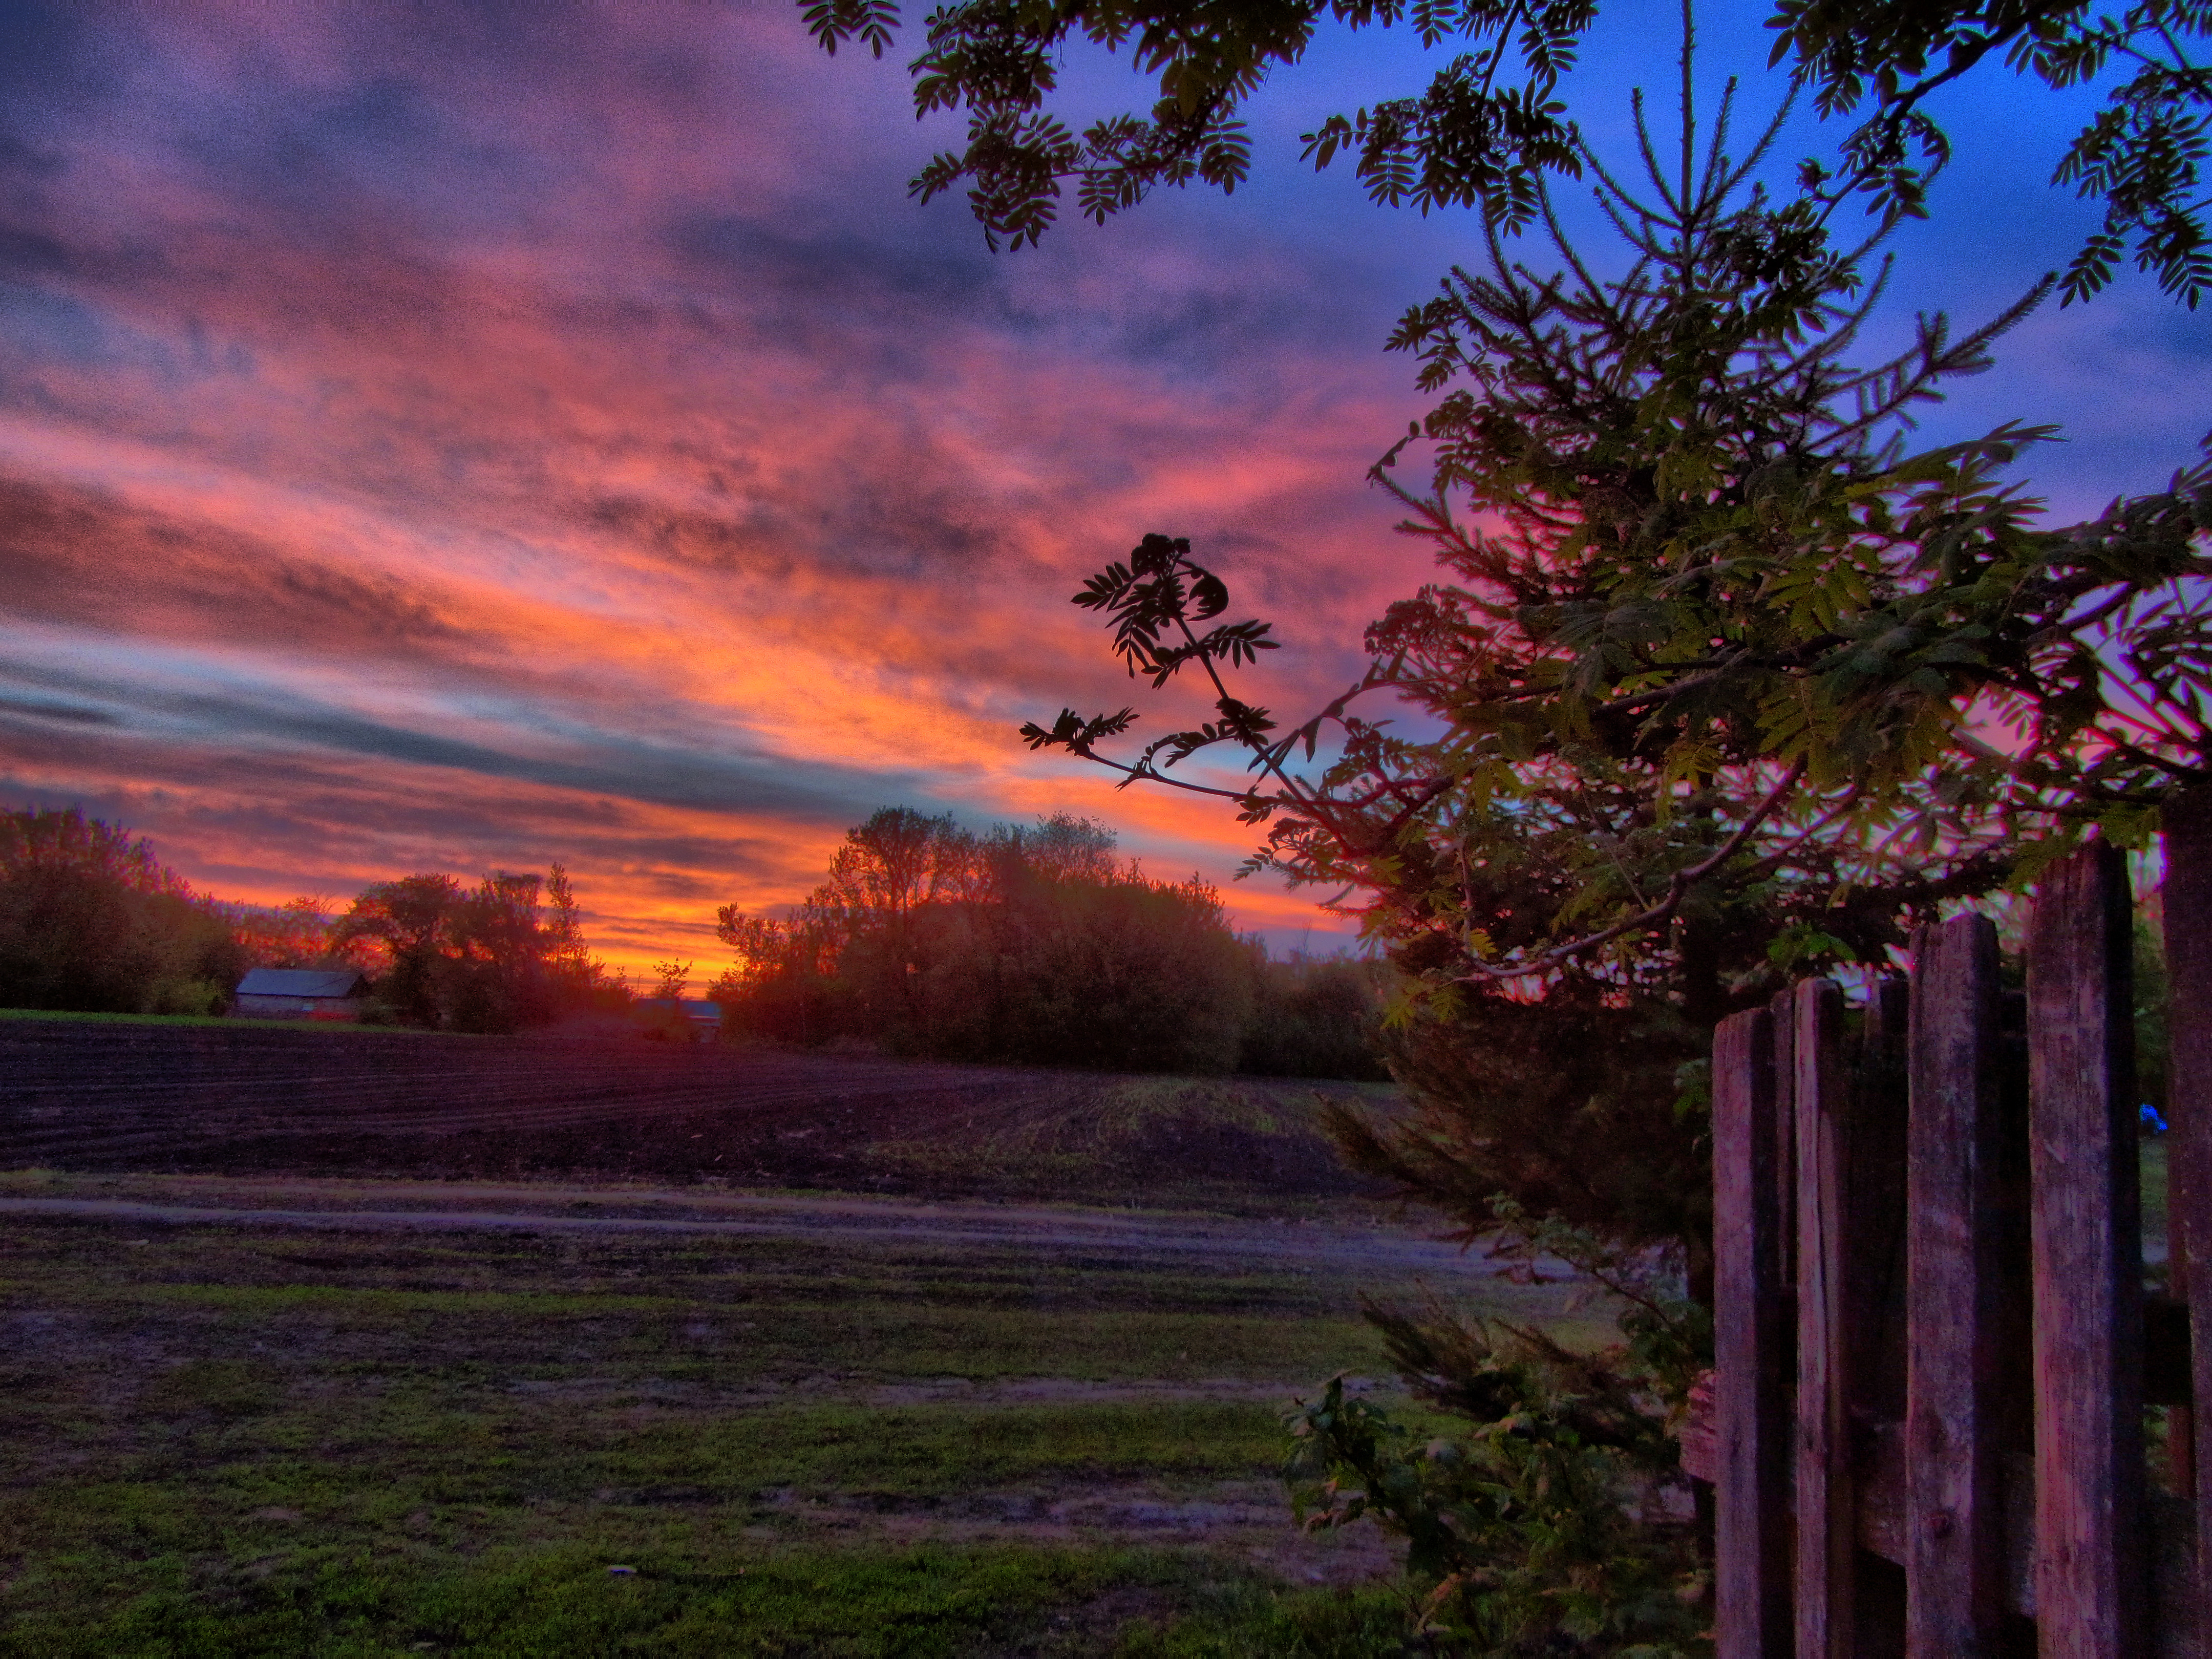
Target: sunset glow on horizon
{"x":434,"y":438}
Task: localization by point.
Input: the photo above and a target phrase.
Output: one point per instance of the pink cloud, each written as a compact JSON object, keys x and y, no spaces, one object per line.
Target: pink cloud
{"x":403,"y":465}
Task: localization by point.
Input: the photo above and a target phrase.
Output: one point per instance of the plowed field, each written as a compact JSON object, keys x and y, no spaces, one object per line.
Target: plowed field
{"x":111,"y":1096}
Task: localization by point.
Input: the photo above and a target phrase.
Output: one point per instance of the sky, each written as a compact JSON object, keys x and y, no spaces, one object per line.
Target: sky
{"x":468,"y":436}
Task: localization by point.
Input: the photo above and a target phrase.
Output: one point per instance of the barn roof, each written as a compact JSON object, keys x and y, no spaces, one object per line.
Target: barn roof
{"x":299,"y":982}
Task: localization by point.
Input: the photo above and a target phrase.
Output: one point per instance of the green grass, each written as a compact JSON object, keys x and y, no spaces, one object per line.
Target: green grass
{"x":1250,"y":1620}
{"x":234,"y":1440}
{"x":683,"y":1596}
{"x":705,"y":1597}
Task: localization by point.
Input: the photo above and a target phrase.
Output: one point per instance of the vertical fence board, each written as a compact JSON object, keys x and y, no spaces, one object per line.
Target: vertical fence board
{"x":1827,"y":1529}
{"x":1782,"y":1010}
{"x":1954,"y":1546}
{"x":1874,"y":1294}
{"x":2188,"y":904}
{"x":1752,"y":1553}
{"x":1879,"y":1127}
{"x":2090,"y":1584}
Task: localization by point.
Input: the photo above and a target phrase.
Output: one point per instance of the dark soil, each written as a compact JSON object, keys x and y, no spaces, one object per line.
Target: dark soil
{"x":113,"y":1097}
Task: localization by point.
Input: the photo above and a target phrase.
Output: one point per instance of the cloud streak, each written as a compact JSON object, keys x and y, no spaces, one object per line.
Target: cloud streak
{"x":468,"y":436}
{"x":430,"y":440}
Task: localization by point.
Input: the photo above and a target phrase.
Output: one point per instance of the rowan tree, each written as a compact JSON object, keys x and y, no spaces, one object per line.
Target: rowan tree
{"x":1490,"y":125}
{"x":1730,"y":685}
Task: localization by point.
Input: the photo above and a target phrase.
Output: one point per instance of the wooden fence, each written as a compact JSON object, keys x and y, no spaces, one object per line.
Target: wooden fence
{"x":1934,"y":1347}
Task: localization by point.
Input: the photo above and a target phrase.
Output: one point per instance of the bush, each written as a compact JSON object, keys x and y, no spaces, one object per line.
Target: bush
{"x":1314,"y":1018}
{"x":1034,"y":945}
{"x":1554,"y":1519}
{"x":1120,"y":974}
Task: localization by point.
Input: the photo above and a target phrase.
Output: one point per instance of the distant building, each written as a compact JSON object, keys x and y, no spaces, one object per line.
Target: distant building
{"x":300,"y":994}
{"x":705,"y":1018}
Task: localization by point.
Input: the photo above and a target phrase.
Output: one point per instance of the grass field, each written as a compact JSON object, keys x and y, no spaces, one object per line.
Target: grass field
{"x":243,"y":1438}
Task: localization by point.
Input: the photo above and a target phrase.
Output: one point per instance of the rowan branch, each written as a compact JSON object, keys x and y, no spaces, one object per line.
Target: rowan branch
{"x":1678,"y":887}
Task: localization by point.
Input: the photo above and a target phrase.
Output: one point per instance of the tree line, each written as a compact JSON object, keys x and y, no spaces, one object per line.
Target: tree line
{"x":91,"y":922}
{"x":1035,"y":944}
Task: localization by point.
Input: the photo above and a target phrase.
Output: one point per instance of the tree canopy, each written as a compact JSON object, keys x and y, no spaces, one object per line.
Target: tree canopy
{"x":1705,"y":614}
{"x":91,"y":919}
{"x":507,"y":954}
{"x":1491,"y":124}
{"x":1036,"y":944}
{"x":1723,"y":681}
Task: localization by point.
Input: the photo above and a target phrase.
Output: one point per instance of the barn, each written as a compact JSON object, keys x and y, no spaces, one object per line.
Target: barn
{"x":300,"y":994}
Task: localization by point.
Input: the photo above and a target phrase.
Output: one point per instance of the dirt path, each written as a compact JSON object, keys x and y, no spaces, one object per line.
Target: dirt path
{"x":434,"y":1206}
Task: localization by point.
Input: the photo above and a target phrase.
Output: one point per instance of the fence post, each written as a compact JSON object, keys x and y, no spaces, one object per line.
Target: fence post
{"x":1827,"y":1533}
{"x":1955,"y":1541}
{"x":2090,"y":1568}
{"x":1782,"y":1010}
{"x":1881,"y":1127}
{"x":2188,"y":903}
{"x":1751,"y":1547}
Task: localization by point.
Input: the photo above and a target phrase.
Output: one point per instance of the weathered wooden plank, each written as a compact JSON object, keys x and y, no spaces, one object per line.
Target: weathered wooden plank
{"x":1954,"y":1546}
{"x":2090,"y":1574}
{"x":1751,"y":1551}
{"x":1827,"y":1534}
{"x":1884,"y":1526}
{"x":2187,"y":902}
{"x":1874,"y":1293}
{"x":1782,"y":1008}
{"x":2166,"y":1382}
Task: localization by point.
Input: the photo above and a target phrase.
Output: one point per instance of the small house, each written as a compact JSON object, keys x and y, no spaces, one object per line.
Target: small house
{"x":300,"y":994}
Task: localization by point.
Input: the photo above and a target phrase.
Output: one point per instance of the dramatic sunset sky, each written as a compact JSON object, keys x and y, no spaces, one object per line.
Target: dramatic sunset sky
{"x":471,"y":435}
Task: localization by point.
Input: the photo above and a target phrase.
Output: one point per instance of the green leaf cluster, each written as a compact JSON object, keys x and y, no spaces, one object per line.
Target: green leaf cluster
{"x":1490,"y":127}
{"x":1714,"y":651}
{"x":1527,"y":1531}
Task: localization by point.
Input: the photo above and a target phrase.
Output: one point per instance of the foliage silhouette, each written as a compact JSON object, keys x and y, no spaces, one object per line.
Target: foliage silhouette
{"x":1727,"y":685}
{"x":483,"y":959}
{"x":1033,"y":944}
{"x":1491,"y":126}
{"x":91,"y":920}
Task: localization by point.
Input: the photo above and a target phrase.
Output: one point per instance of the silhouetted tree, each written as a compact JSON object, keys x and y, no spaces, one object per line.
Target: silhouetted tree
{"x":1709,"y":675}
{"x":1494,"y":122}
{"x":293,"y":934}
{"x":1709,"y":667}
{"x":91,"y":921}
{"x":481,"y":959}
{"x":1029,"y":943}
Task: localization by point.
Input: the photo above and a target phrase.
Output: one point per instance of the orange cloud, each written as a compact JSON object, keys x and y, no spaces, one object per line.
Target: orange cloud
{"x":474,"y":451}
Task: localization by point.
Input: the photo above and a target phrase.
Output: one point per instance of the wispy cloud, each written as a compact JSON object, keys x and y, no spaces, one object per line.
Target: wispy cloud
{"x":460,"y":436}
{"x":433,"y":438}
